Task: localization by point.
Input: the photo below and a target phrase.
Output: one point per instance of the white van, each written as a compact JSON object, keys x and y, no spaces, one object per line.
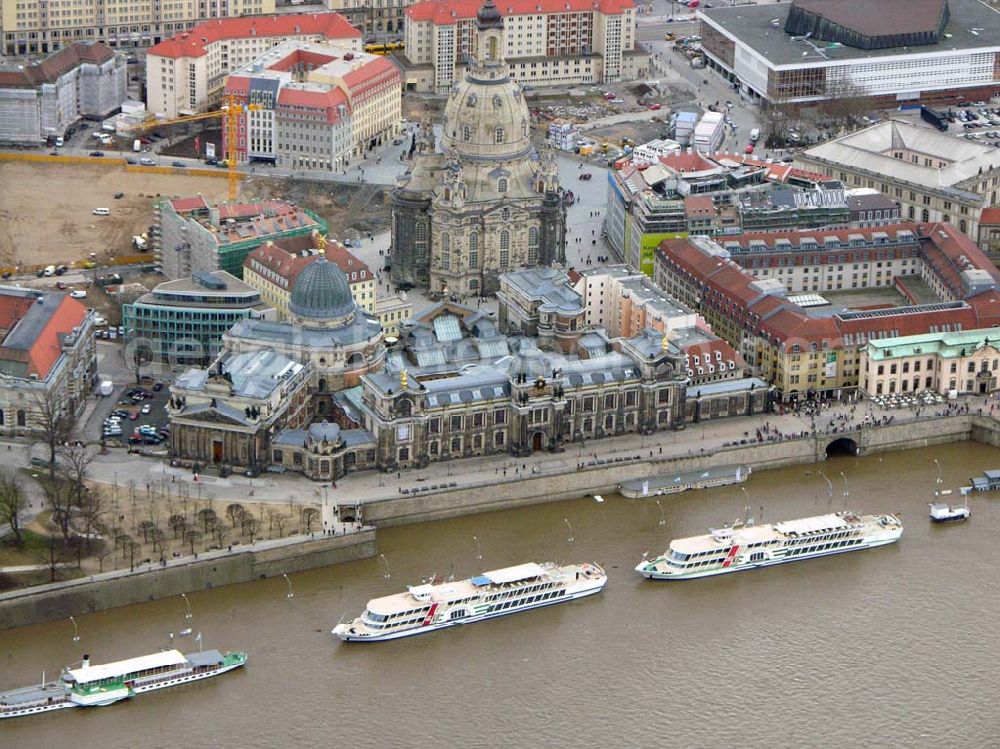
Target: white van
{"x":50,"y":270}
{"x":147,"y":162}
{"x":755,"y":135}
{"x":78,"y":294}
{"x":102,"y":212}
{"x":60,"y":142}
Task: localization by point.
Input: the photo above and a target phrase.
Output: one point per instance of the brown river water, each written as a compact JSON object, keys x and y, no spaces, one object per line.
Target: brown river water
{"x":893,"y":647}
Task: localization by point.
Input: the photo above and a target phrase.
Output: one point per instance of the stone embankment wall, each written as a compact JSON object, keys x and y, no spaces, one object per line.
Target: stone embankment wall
{"x":121,"y":588}
{"x":604,"y":479}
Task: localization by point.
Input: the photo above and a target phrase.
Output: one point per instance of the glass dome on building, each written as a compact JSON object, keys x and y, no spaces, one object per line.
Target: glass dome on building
{"x":321,"y":292}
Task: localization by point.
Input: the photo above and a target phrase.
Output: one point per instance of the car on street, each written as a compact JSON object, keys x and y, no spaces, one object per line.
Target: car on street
{"x":53,"y":153}
{"x":749,"y":148}
{"x":147,"y":162}
{"x":655,"y":107}
{"x":96,"y":154}
{"x":133,"y":416}
{"x":119,"y":195}
{"x":146,"y":408}
{"x":211,"y":161}
{"x":586,"y":176}
{"x":133,"y":162}
{"x":179,"y":164}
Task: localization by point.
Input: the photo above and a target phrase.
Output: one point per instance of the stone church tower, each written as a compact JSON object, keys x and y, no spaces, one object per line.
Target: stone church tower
{"x":484,"y":201}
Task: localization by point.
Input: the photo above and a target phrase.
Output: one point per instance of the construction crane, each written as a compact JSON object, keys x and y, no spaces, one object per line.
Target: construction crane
{"x":231,"y":110}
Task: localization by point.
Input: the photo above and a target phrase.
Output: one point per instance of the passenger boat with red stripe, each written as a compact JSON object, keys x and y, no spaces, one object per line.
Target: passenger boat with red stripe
{"x":438,"y":605}
{"x":747,"y":546}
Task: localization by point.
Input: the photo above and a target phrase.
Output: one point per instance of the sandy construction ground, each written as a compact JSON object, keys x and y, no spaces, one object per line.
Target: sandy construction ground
{"x":46,"y":209}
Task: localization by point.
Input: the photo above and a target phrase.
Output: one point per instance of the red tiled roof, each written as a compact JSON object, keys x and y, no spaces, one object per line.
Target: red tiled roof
{"x":193,"y":43}
{"x":451,"y":11}
{"x":285,"y":257}
{"x":56,"y":64}
{"x":185,"y":205}
{"x":282,"y":259}
{"x":327,"y":100}
{"x":990,"y":216}
{"x":699,"y":205}
{"x":687,"y":162}
{"x":729,"y":289}
{"x":48,"y":346}
{"x":303,"y":56}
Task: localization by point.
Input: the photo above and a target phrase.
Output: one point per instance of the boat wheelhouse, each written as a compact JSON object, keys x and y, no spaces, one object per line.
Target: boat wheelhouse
{"x":748,"y":546}
{"x":441,"y":604}
{"x":103,"y":684}
{"x":941,"y":512}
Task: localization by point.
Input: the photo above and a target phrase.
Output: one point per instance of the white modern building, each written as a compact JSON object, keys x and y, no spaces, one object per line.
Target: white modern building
{"x":545,"y":42}
{"x":893,"y":51}
{"x":185,"y":74}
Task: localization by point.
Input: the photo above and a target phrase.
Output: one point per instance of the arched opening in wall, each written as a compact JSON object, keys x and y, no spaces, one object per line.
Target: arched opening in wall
{"x":321,"y":385}
{"x":842,"y":446}
{"x":536,"y":442}
{"x":355,"y":360}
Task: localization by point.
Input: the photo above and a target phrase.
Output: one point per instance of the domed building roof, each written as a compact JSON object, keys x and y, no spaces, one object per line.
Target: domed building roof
{"x":321,"y":291}
{"x":488,"y":16}
{"x":487,"y":119}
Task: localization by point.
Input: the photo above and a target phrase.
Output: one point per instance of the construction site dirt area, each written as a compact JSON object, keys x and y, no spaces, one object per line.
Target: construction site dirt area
{"x":47,"y":210}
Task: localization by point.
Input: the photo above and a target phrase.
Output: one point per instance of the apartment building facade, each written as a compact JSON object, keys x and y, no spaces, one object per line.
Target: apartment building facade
{"x":38,"y":26}
{"x":185,"y":74}
{"x":804,"y":348}
{"x":546,"y":42}
{"x":312,"y":106}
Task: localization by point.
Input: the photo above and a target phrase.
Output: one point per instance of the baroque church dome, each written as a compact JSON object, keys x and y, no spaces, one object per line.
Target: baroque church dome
{"x":486,"y":116}
{"x":321,"y":292}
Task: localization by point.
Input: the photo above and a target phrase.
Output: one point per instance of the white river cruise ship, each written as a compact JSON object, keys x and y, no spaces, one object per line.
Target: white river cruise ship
{"x":425,"y":608}
{"x":107,"y":683}
{"x":751,"y":546}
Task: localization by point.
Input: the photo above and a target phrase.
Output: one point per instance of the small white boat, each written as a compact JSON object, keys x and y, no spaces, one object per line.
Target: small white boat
{"x":945,"y":513}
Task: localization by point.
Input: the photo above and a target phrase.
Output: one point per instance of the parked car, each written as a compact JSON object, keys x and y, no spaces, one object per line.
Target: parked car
{"x":119,"y":195}
{"x":60,"y":285}
{"x":178,"y":164}
{"x":212,"y":161}
{"x":586,"y":176}
{"x":146,"y":408}
{"x":749,"y":148}
{"x":96,"y":154}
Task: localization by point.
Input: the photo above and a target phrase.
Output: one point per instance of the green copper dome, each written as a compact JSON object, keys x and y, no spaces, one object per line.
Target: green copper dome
{"x":321,"y":291}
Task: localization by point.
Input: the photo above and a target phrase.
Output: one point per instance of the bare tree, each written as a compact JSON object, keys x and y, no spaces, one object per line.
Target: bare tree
{"x":233,"y":512}
{"x":74,"y":465}
{"x":13,"y":502}
{"x":309,"y":516}
{"x":48,"y":419}
{"x":145,"y":528}
{"x":156,"y":535}
{"x":129,"y":548}
{"x":252,"y":526}
{"x":191,"y":537}
{"x":91,"y":510}
{"x":178,"y":524}
{"x":207,"y":517}
{"x":137,"y":354}
{"x":221,"y":532}
{"x":279,"y":520}
{"x":59,"y":497}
